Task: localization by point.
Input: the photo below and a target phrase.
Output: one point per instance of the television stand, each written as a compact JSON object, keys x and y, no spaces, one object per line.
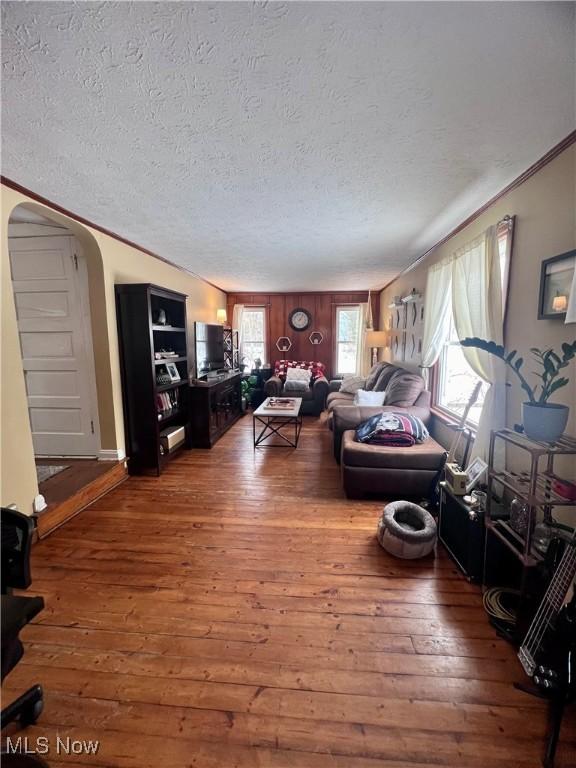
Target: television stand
{"x":215,"y":405}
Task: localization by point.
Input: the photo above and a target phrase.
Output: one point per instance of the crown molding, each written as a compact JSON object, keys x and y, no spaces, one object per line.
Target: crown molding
{"x":528,"y":173}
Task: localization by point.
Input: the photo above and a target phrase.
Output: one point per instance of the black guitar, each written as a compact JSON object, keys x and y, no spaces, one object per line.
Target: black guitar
{"x":548,"y":653}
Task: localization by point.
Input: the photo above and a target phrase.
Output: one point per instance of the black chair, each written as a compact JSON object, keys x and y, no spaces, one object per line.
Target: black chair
{"x":16,"y":540}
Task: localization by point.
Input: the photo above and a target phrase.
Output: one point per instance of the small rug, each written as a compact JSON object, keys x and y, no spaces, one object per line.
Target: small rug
{"x":46,"y":471}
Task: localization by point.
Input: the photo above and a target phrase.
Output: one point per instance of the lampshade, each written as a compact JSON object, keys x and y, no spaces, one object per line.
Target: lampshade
{"x":221,"y":316}
{"x":559,"y":303}
{"x":376,"y":339}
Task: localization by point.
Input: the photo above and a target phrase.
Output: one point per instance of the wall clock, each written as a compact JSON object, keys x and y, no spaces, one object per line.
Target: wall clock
{"x":299,"y":319}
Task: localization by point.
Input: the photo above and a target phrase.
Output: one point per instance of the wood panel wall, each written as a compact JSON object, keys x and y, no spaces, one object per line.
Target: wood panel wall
{"x":322,"y":307}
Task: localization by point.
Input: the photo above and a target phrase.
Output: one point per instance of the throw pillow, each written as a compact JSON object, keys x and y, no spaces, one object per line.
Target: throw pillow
{"x":298,"y":374}
{"x":364,"y":397}
{"x":404,"y":389}
{"x":351,"y":384}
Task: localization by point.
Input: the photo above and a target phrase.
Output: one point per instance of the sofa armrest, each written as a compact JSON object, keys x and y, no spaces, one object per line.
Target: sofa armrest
{"x":424,"y":401}
{"x":273,"y":386}
{"x":320,"y":389}
{"x":335,"y":385}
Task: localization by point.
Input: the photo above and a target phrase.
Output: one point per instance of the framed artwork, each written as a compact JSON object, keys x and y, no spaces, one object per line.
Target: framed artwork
{"x":173,"y":371}
{"x":555,"y":283}
{"x":475,"y":472}
{"x":412,"y":347}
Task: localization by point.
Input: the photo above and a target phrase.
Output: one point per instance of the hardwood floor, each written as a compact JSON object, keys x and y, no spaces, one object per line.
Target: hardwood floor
{"x":238,"y":611}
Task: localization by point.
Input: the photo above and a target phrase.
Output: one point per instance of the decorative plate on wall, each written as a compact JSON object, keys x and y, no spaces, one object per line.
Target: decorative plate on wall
{"x":299,"y":319}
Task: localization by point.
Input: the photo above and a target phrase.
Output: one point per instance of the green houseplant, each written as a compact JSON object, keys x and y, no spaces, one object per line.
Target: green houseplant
{"x":542,"y":420}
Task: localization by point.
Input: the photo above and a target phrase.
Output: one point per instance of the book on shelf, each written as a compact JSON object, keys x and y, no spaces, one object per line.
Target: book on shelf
{"x":167,"y":401}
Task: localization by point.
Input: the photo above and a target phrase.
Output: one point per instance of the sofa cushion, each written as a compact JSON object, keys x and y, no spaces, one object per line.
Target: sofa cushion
{"x":338,"y":398}
{"x":427,"y":455}
{"x":352,"y":384}
{"x":296,"y":387}
{"x":404,"y":388}
{"x":384,"y":377}
{"x":372,"y":377}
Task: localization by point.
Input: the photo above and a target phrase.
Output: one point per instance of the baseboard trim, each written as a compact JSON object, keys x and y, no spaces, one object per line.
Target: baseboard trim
{"x":111,"y":454}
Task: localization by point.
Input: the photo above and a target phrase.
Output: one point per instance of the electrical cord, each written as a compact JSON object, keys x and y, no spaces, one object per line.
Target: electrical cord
{"x":493,"y":605}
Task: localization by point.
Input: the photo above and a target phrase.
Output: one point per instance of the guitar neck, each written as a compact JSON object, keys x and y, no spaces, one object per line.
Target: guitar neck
{"x":549,"y":608}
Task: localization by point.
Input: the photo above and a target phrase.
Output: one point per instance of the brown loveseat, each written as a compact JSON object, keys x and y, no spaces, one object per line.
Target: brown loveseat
{"x":405,"y":391}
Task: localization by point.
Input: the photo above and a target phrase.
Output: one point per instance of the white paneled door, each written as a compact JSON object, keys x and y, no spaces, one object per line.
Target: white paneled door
{"x":50,"y":282}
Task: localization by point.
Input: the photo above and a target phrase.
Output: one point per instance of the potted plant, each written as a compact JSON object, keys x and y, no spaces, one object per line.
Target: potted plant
{"x":542,"y":420}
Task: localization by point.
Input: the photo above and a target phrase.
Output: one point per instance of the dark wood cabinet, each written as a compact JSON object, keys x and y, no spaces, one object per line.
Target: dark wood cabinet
{"x":214,"y":406}
{"x":151,"y":323}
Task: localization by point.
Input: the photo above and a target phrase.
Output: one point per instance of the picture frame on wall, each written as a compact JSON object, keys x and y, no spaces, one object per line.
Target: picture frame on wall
{"x":556,"y":278}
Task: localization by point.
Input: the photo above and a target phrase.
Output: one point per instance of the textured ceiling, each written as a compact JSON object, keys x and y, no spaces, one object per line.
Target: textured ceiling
{"x":282,"y":146}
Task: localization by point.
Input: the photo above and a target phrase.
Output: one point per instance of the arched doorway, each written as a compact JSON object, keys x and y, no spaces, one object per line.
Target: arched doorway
{"x":83,"y":479}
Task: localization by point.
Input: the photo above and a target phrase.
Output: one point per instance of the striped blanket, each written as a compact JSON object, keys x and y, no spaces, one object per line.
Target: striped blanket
{"x":392,"y":429}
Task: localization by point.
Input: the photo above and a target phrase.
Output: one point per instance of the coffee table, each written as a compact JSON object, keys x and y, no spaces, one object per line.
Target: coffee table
{"x":277,"y":421}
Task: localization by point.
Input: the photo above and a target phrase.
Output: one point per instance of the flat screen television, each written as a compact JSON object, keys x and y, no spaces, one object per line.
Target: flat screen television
{"x":209,"y":348}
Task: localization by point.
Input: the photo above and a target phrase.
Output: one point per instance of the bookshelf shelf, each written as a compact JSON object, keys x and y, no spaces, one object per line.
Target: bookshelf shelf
{"x":165,"y":360}
{"x":169,"y":416}
{"x":168,"y":387}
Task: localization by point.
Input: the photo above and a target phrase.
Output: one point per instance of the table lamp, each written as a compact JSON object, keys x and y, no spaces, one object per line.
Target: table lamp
{"x":376,"y":340}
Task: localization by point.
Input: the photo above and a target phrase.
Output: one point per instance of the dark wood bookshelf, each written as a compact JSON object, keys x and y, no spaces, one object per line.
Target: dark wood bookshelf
{"x":140,"y":309}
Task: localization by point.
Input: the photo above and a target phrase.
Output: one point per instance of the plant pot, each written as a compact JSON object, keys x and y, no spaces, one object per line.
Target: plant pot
{"x":544,"y":423}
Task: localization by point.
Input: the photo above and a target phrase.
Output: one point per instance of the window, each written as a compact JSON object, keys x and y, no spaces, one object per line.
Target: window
{"x":456,"y":379}
{"x":347,"y":339}
{"x":253,"y":335}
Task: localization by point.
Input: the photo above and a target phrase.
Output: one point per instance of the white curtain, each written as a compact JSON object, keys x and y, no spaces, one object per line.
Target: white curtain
{"x":237,"y":317}
{"x":363,"y":358}
{"x":571,"y":310}
{"x":436,"y":312}
{"x":477,"y":311}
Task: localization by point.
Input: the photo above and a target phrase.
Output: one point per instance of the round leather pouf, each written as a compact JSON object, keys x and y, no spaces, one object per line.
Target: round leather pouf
{"x":406,"y":530}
